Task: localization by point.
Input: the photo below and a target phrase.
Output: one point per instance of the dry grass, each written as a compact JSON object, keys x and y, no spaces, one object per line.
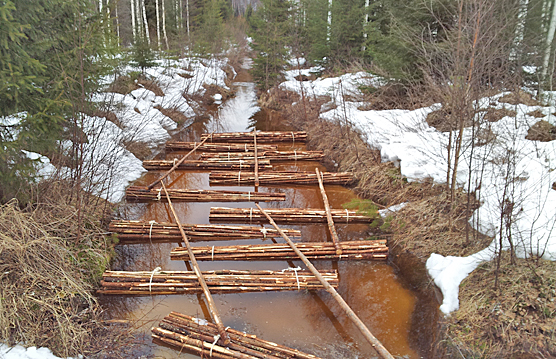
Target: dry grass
{"x":51,"y":257}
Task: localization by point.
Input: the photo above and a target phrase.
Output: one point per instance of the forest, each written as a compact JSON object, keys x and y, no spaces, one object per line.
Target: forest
{"x":442,"y":109}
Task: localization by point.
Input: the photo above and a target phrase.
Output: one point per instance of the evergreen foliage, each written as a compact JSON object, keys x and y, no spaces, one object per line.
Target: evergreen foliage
{"x":271,"y":27}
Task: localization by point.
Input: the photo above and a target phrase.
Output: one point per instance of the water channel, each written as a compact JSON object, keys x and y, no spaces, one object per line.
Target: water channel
{"x":307,"y":320}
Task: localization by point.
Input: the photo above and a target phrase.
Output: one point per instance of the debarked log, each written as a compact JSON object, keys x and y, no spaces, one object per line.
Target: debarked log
{"x":351,"y":250}
{"x":273,"y":156}
{"x":218,"y":281}
{"x":143,"y":194}
{"x":218,"y":147}
{"x":285,"y":215}
{"x":196,"y":335}
{"x":234,"y":165}
{"x":131,"y":232}
{"x":262,"y":137}
{"x":227,"y":178}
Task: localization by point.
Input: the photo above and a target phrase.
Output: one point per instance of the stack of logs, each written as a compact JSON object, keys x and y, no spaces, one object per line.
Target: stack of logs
{"x":262,"y":137}
{"x":195,"y":335}
{"x":218,"y":281}
{"x":285,"y":215}
{"x":144,"y":194}
{"x":224,"y":178}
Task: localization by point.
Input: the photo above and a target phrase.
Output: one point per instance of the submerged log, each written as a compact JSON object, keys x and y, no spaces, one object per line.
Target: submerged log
{"x":196,"y":335}
{"x":142,"y":194}
{"x":234,"y":165}
{"x":218,"y":281}
{"x":130,"y":232}
{"x":262,"y":137}
{"x":218,"y":147}
{"x":273,"y":156}
{"x":285,"y":215}
{"x":372,"y":249}
{"x":227,"y":178}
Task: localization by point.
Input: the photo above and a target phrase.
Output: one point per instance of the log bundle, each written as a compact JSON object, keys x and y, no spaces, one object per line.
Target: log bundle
{"x":218,"y":281}
{"x":131,"y":232}
{"x":228,"y":178}
{"x":232,"y":165}
{"x":285,"y":215}
{"x":372,"y":249}
{"x":273,"y":156}
{"x":262,"y":137}
{"x":196,"y":336}
{"x":143,"y":194}
{"x":218,"y":147}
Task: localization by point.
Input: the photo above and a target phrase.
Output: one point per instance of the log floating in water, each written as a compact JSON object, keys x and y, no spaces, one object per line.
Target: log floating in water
{"x":273,"y":156}
{"x":227,"y":178}
{"x":375,"y":249}
{"x":218,"y":281}
{"x":195,"y":335}
{"x":285,"y":215}
{"x":142,"y":194}
{"x":262,"y":137}
{"x":218,"y":147}
{"x":130,"y":232}
{"x":234,"y":165}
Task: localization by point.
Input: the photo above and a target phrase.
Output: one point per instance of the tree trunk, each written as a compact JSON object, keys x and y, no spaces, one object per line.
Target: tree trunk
{"x":133,"y":25}
{"x":117,"y":23}
{"x":187,"y":14}
{"x":520,"y":30}
{"x":157,"y":26}
{"x":164,"y":26}
{"x":548,"y":44}
{"x":329,"y":25}
{"x":145,"y":22}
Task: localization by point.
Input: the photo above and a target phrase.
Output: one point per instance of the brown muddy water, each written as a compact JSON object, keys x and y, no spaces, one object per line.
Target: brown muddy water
{"x":307,"y":320}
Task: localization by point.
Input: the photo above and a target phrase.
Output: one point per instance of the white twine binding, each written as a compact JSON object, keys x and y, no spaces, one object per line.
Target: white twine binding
{"x":347,"y":216}
{"x":240,"y":164}
{"x":175,"y":161}
{"x":246,"y":148}
{"x":212,"y":255}
{"x":249,"y":196}
{"x":239,"y":177}
{"x":264,"y":232}
{"x":290,"y":269}
{"x":159,"y":196}
{"x":295,"y":154}
{"x":156,"y":270}
{"x":151,"y":230}
{"x":216,"y":338}
{"x":293,"y":138}
{"x":250,"y":215}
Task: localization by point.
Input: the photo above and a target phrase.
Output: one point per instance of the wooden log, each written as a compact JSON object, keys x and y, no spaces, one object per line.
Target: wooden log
{"x":352,"y":250}
{"x":218,"y":281}
{"x":228,"y":178}
{"x":222,"y":335}
{"x":285,"y":215}
{"x":218,"y":147}
{"x":377,"y":345}
{"x":176,"y":165}
{"x":329,"y":220}
{"x":273,"y":156}
{"x":142,"y":194}
{"x":256,"y":160}
{"x":131,"y":232}
{"x":263,"y":137}
{"x":237,"y":165}
{"x":198,"y":336}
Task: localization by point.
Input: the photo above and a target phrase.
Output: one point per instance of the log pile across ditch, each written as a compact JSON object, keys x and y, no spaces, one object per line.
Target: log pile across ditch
{"x":218,"y":147}
{"x":143,"y":194}
{"x":218,"y":281}
{"x":273,"y":156}
{"x":130,"y":232}
{"x":196,"y":336}
{"x":285,"y":215}
{"x":351,"y":250}
{"x":262,"y":137}
{"x":232,"y":165}
{"x":227,"y":178}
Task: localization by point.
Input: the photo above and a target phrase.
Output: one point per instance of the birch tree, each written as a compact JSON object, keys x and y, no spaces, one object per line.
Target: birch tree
{"x":548,"y":43}
{"x":145,"y":23}
{"x":157,"y":25}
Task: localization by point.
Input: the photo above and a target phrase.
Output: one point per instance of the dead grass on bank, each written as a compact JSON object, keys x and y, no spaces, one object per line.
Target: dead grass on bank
{"x":48,"y":270}
{"x":517,"y":321}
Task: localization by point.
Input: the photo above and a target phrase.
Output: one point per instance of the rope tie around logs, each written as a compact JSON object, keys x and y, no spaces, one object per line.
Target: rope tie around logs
{"x":292,"y":269}
{"x":347,"y":216}
{"x":264,"y":231}
{"x":151,"y":230}
{"x":156,"y":270}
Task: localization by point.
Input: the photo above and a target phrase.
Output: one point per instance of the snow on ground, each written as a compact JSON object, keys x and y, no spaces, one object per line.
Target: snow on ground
{"x":19,"y":352}
{"x":509,"y":173}
{"x":111,"y":166}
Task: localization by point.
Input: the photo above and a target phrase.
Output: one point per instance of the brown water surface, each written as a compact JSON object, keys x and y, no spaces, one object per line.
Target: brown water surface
{"x":309,"y":321}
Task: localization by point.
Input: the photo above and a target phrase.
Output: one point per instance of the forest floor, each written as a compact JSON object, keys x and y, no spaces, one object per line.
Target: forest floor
{"x":514,"y":319}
